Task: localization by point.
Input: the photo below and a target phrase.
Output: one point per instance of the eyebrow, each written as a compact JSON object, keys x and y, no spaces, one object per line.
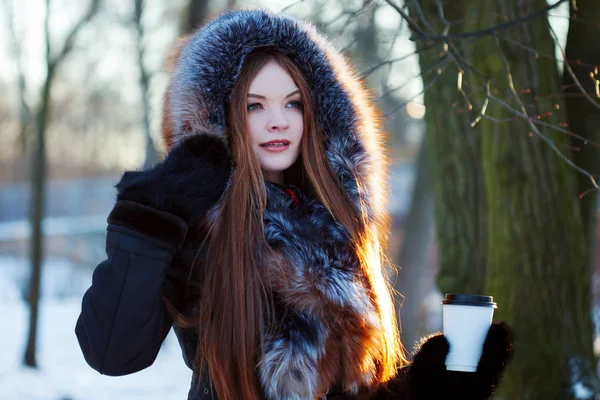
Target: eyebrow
{"x":263,"y":97}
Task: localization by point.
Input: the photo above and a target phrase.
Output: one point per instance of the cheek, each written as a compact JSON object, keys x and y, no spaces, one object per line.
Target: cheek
{"x":298,"y":125}
{"x":254,"y":129}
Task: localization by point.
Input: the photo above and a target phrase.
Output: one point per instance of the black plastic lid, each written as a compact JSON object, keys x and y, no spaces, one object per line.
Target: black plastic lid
{"x":469,"y":300}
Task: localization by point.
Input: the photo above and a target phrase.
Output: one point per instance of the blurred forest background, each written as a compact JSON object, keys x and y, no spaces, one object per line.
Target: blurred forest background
{"x":494,"y":122}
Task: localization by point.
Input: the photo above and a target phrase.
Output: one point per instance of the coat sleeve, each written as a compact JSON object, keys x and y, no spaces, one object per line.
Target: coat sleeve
{"x":123,"y":320}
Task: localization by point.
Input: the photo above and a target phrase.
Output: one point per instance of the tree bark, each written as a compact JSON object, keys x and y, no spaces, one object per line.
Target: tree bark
{"x":455,"y":161}
{"x":583,"y":117}
{"x":536,"y":257}
{"x":507,"y":213}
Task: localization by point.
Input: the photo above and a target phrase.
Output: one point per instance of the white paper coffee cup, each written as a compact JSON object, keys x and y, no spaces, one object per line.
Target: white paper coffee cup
{"x":466,"y":321}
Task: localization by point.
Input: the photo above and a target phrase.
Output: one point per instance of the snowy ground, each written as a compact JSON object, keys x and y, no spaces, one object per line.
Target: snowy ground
{"x":63,"y":373}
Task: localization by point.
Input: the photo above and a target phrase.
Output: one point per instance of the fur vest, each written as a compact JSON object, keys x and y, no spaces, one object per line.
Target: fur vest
{"x":330,"y":317}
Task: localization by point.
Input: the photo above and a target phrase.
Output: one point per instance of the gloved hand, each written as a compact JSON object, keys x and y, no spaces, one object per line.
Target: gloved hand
{"x":189,"y":181}
{"x":429,"y":380}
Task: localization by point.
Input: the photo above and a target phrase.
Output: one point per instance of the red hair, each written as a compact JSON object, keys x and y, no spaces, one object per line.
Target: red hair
{"x":234,"y":305}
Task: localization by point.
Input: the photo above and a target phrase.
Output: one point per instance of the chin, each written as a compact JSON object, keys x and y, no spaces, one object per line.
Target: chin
{"x":279,"y":167}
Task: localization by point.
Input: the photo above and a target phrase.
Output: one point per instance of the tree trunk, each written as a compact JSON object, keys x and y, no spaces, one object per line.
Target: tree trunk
{"x":583,"y":118}
{"x":38,"y":181}
{"x":194,"y":15}
{"x":38,"y":171}
{"x":412,"y":277}
{"x":536,"y":257}
{"x":26,"y":119}
{"x":455,"y":164}
{"x":522,"y":241}
{"x":151,"y":152}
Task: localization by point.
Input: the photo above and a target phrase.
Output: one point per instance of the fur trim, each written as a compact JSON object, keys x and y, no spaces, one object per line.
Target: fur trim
{"x":208,"y":62}
{"x":330,"y":333}
{"x":149,"y":221}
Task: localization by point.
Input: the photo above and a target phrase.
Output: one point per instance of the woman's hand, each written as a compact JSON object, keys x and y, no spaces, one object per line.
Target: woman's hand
{"x":187,"y":183}
{"x":429,"y":379}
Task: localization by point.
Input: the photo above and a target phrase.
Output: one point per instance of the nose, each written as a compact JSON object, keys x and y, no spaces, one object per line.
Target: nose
{"x":278,"y":122}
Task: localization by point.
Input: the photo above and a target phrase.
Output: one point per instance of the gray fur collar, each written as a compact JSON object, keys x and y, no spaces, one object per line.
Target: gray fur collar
{"x":328,"y":332}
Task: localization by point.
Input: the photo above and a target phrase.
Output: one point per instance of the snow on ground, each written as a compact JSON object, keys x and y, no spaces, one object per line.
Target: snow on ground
{"x":63,"y":373}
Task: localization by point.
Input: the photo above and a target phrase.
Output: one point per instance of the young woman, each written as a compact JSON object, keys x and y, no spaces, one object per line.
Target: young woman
{"x":259,"y":238}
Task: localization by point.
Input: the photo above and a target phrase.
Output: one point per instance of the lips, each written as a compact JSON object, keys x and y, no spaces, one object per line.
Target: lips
{"x":276,"y":145}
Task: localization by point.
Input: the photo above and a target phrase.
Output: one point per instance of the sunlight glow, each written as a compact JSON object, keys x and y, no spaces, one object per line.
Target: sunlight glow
{"x":415,"y":110}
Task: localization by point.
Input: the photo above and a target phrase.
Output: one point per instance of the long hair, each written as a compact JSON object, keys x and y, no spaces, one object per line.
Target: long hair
{"x":234,"y":304}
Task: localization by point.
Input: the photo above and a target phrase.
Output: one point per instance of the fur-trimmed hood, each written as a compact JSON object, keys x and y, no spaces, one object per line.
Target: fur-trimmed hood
{"x":330,"y":329}
{"x":209,"y":62}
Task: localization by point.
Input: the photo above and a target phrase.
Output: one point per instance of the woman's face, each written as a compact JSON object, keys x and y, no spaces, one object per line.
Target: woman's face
{"x":275,"y":120}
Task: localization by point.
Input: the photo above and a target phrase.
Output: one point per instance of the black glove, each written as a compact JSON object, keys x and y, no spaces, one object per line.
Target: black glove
{"x":187,"y":183}
{"x":429,"y":380}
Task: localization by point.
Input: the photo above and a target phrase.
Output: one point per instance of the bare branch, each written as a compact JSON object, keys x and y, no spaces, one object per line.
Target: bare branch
{"x":411,"y":24}
{"x":459,"y":87}
{"x":72,"y":35}
{"x":527,"y":48}
{"x":524,"y":114}
{"x":446,"y":23}
{"x":368,"y":72}
{"x":488,"y":31}
{"x":47,"y":32}
{"x":494,"y":119}
{"x":570,"y":70}
{"x":26,"y":117}
{"x":463,"y":62}
{"x":537,"y":121}
{"x":437,"y":67}
{"x":284,"y":9}
{"x":353,"y":14}
{"x":350,"y":14}
{"x":585,"y":140}
{"x":448,"y":46}
{"x":417,"y":6}
{"x":550,"y":143}
{"x":425,"y":88}
{"x":486,"y":102}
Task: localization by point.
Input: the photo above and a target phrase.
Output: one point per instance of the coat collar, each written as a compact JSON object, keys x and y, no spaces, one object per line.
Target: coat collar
{"x":289,"y":195}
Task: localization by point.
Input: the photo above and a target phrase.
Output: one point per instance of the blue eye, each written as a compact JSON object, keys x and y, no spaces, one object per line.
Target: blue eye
{"x":296,"y":104}
{"x":254,"y":106}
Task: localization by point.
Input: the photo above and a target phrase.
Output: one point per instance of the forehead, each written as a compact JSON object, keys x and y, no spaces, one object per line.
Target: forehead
{"x":272,"y":78}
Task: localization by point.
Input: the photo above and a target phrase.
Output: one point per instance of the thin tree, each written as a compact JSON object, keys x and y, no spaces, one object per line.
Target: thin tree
{"x":193,"y":15}
{"x":151,"y":153}
{"x":26,"y":117}
{"x":38,"y":170}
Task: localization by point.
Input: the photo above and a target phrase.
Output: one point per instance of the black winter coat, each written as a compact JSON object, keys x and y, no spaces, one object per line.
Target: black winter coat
{"x":151,"y":242}
{"x":149,"y":253}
